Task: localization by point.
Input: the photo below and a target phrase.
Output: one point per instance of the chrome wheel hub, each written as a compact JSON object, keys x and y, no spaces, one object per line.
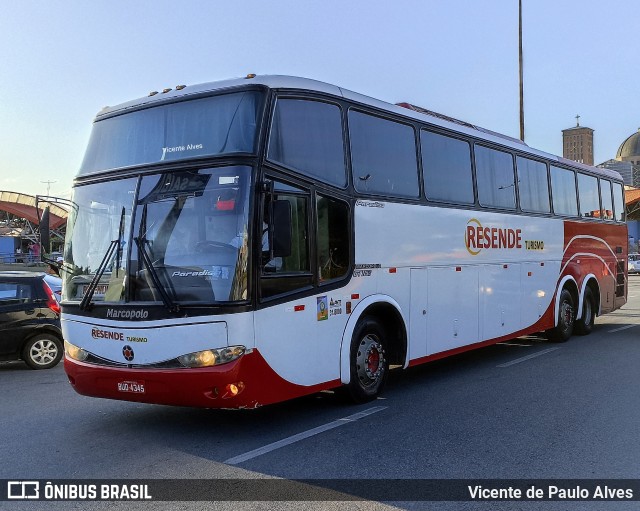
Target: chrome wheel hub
{"x":370,"y":361}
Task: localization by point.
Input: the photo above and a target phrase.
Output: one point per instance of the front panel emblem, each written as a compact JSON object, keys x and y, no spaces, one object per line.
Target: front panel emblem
{"x":127,"y":351}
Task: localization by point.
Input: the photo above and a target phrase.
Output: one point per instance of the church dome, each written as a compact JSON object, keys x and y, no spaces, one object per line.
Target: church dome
{"x":630,"y":148}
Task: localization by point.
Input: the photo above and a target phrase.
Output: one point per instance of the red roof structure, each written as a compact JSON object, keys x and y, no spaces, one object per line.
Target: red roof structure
{"x":24,"y":206}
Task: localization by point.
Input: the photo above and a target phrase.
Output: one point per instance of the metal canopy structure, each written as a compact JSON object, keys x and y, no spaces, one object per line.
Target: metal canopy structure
{"x":24,"y":206}
{"x":22,"y":218}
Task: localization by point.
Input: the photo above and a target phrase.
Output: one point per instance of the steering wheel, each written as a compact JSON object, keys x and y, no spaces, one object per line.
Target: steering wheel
{"x":209,"y":246}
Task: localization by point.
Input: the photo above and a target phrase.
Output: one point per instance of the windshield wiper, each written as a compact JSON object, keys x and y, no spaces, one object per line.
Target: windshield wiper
{"x":113,"y":246}
{"x":141,"y":243}
{"x":155,"y":278}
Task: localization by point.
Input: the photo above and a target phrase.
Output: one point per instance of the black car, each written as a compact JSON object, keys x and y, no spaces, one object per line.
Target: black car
{"x":29,"y":320}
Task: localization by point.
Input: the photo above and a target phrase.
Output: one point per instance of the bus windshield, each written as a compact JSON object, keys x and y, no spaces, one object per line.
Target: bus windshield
{"x":210,"y":126}
{"x":188,"y":242}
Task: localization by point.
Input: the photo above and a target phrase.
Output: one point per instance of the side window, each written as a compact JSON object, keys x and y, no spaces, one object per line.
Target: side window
{"x":533,"y":185}
{"x":307,"y":136}
{"x":287,"y":272}
{"x":446,"y":164}
{"x":332,"y":238}
{"x":563,"y":188}
{"x":589,"y":196}
{"x":383,"y":156}
{"x":495,"y":178}
{"x":606,"y":200}
{"x":12,"y":293}
{"x":8,"y":293}
{"x":618,"y":202}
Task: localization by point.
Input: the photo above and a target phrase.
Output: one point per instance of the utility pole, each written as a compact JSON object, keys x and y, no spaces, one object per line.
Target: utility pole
{"x":521,"y":70}
{"x":49,"y":183}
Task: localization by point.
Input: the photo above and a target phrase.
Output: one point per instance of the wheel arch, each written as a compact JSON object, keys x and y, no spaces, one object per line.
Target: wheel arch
{"x":389,"y":313}
{"x":44,"y":330}
{"x":589,"y":282}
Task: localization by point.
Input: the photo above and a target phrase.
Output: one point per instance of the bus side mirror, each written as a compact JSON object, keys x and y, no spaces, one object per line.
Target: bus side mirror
{"x":45,"y":235}
{"x":281,"y":225}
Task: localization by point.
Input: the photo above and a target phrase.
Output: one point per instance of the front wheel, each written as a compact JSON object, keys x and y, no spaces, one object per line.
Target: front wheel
{"x":566,"y":318}
{"x":584,"y":325}
{"x":369,"y":364}
{"x":42,"y":351}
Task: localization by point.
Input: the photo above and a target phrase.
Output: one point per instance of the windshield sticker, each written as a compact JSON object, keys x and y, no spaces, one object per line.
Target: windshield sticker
{"x":323,"y":310}
{"x":180,"y":149}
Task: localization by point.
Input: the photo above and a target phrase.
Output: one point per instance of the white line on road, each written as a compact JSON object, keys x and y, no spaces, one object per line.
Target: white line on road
{"x":522,"y":359}
{"x":301,"y":436}
{"x":621,"y":328}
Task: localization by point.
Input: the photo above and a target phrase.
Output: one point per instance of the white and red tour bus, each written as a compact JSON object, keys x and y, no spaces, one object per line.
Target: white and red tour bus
{"x":239,"y":243}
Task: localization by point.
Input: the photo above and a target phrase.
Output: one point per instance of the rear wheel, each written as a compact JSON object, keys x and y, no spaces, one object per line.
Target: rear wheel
{"x":42,"y":351}
{"x":566,"y":318}
{"x":584,"y":325}
{"x":369,"y":364}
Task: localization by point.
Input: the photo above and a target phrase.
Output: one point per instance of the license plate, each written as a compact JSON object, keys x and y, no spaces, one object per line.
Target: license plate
{"x":137,"y":387}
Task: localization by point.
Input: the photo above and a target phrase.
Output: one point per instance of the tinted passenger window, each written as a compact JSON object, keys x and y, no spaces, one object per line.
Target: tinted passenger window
{"x":383,"y":155}
{"x":605,"y":198}
{"x":495,"y":178}
{"x":446,"y":164}
{"x":563,"y":187}
{"x":618,"y":202}
{"x":292,"y":272}
{"x":589,"y":196}
{"x":533,"y":185}
{"x":307,"y":136}
{"x":298,"y":259}
{"x":333,"y":238}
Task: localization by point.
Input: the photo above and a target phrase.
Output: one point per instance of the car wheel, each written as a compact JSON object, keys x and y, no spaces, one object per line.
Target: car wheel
{"x":584,"y":325}
{"x":369,"y":363}
{"x":42,"y":351}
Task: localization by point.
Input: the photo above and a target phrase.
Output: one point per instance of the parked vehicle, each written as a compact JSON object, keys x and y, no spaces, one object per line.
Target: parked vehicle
{"x":634,"y":263}
{"x":29,"y":319}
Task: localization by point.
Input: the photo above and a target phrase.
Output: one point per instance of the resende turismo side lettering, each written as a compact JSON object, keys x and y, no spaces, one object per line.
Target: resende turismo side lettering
{"x":478,"y":237}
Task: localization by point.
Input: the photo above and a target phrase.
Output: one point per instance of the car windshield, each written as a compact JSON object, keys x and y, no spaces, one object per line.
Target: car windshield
{"x":188,"y":242}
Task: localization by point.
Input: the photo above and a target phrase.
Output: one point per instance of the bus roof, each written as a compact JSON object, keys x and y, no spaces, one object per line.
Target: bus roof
{"x":307,"y":84}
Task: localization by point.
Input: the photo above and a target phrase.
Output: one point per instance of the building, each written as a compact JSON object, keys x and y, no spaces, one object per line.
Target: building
{"x":627,"y":161}
{"x":630,"y":173}
{"x":629,"y":150}
{"x":577,"y":143}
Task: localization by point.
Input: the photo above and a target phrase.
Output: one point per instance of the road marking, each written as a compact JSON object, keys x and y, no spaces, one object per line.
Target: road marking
{"x":621,"y":328}
{"x":301,"y":436}
{"x":522,"y":359}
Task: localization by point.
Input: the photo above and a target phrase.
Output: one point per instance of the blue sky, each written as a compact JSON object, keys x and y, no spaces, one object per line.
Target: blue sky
{"x":61,"y":62}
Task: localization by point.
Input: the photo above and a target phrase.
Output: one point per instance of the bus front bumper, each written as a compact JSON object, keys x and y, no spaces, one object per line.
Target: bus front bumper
{"x":248,"y":382}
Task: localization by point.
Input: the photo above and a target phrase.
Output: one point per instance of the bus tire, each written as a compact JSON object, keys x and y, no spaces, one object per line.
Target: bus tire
{"x":566,"y":318}
{"x":584,"y":325}
{"x":369,"y":364}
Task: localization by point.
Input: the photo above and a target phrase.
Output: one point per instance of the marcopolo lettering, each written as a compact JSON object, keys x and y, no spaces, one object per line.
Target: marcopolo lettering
{"x":477,"y":237}
{"x":127,"y":313}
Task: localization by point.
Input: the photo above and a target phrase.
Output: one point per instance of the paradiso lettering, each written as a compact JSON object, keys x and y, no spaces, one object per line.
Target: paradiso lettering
{"x":477,"y":237}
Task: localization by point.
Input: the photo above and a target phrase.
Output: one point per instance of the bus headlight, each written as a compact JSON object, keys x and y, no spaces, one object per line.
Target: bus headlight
{"x":212,"y":357}
{"x":74,"y":352}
